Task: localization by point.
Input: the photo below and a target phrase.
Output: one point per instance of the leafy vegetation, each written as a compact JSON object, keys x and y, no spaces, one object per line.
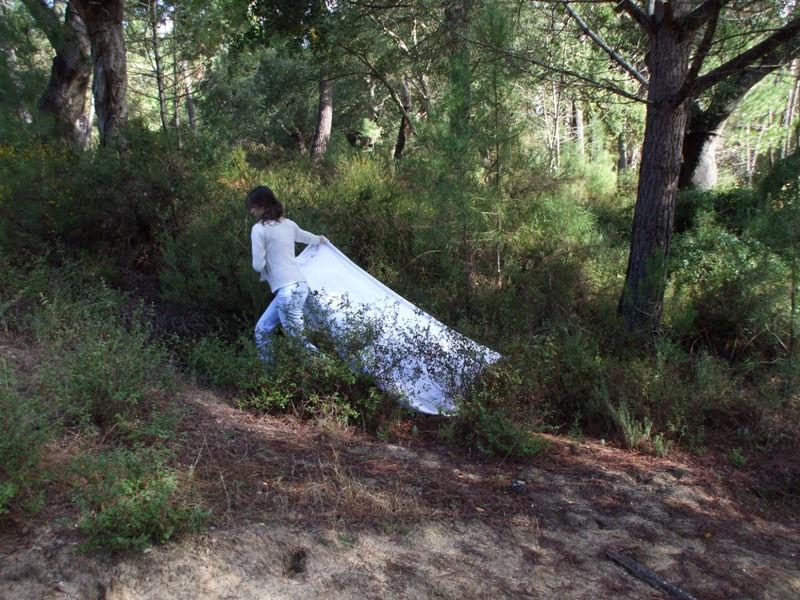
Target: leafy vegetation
{"x":476,"y":164}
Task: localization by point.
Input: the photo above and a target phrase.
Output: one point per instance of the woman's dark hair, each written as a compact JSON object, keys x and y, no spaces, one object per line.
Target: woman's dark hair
{"x":263,"y":197}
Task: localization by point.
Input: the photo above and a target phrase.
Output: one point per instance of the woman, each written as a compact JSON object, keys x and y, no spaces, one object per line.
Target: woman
{"x":273,"y":238}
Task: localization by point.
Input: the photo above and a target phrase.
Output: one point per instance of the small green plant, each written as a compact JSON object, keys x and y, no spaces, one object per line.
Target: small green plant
{"x":738,"y":458}
{"x":635,"y":433}
{"x":660,"y":444}
{"x":132,"y":499}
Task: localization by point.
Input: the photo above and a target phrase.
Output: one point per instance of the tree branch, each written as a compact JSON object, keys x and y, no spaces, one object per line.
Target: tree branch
{"x":380,"y":77}
{"x":608,"y":50}
{"x":700,"y":54}
{"x":545,"y":66}
{"x":48,"y":21}
{"x":695,"y":19}
{"x":636,"y":13}
{"x":786,"y":37}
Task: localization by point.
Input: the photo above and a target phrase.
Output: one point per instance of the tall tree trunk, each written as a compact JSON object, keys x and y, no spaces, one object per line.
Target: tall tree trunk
{"x":622,"y":154}
{"x":176,"y":94}
{"x":791,"y":104}
{"x":456,"y":21}
{"x":157,"y":63}
{"x":103,"y":19}
{"x":88,"y":121}
{"x":187,"y":92}
{"x":405,"y":126}
{"x":556,"y":127}
{"x":578,"y":128}
{"x":641,"y":303}
{"x":322,"y":133}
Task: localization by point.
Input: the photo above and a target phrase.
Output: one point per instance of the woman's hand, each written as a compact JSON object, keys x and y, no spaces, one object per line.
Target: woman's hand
{"x":323,"y":240}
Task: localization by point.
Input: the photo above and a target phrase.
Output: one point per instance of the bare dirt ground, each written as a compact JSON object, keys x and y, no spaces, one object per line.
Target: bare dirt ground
{"x":304,"y":511}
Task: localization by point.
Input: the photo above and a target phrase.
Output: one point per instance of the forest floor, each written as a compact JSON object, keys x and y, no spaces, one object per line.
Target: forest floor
{"x":300,"y":510}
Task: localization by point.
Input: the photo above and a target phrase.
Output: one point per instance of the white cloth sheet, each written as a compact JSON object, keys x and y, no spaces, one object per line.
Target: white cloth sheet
{"x":408,"y":351}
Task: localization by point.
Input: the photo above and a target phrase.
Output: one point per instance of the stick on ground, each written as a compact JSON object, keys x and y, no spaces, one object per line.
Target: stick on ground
{"x":641,"y":572}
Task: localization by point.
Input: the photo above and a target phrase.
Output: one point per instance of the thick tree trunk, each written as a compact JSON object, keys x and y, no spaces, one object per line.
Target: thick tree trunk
{"x":88,"y":121}
{"x":322,"y":133}
{"x":641,"y":303}
{"x":699,"y":167}
{"x":103,"y":19}
{"x":405,"y":126}
{"x":66,"y":92}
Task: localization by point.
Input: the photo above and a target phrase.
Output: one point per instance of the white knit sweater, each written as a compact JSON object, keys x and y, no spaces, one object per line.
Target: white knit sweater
{"x":273,"y":251}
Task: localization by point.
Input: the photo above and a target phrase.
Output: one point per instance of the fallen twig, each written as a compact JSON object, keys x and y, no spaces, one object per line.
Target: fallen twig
{"x":641,"y":572}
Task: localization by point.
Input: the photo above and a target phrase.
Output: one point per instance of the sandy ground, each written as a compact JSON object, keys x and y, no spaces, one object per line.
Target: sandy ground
{"x":302,"y":511}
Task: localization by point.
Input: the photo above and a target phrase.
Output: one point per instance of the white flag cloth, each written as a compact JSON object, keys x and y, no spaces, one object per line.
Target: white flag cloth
{"x":408,"y":351}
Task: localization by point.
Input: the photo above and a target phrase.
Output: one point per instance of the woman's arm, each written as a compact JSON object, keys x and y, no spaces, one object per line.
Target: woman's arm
{"x":258,"y":244}
{"x":305,"y":237}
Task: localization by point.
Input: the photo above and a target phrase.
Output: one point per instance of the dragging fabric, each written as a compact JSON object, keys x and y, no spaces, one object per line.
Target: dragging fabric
{"x":408,"y":351}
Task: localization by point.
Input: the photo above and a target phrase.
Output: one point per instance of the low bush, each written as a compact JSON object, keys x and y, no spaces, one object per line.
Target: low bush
{"x":24,"y":428}
{"x":130,"y":499}
{"x":319,"y":386}
{"x":728,"y":292}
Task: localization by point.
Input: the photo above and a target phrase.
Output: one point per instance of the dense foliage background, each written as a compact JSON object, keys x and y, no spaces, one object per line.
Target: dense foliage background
{"x":482,"y":160}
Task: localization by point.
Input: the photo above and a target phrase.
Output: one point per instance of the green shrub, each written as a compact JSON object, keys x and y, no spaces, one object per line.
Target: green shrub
{"x":226,"y":364}
{"x":132,"y":499}
{"x":490,"y":432}
{"x":104,"y":371}
{"x":100,"y":362}
{"x":485,"y":421}
{"x":24,"y":428}
{"x":206,"y":267}
{"x":112,"y":201}
{"x":323,"y":387}
{"x":638,"y":433}
{"x":728,"y":292}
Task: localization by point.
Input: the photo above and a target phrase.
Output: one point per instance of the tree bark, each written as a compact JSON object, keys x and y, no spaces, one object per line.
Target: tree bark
{"x":103,"y":19}
{"x":405,"y":125}
{"x":322,"y":133}
{"x":641,"y":303}
{"x":65,"y":95}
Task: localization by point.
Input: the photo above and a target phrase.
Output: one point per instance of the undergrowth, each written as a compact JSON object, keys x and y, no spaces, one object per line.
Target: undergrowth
{"x":95,"y":373}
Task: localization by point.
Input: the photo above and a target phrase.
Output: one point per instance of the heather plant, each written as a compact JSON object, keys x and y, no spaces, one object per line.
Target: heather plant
{"x":130,"y":499}
{"x":24,"y":428}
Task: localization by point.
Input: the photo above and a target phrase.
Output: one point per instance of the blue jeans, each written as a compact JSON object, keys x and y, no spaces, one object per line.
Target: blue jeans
{"x":286,"y":310}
